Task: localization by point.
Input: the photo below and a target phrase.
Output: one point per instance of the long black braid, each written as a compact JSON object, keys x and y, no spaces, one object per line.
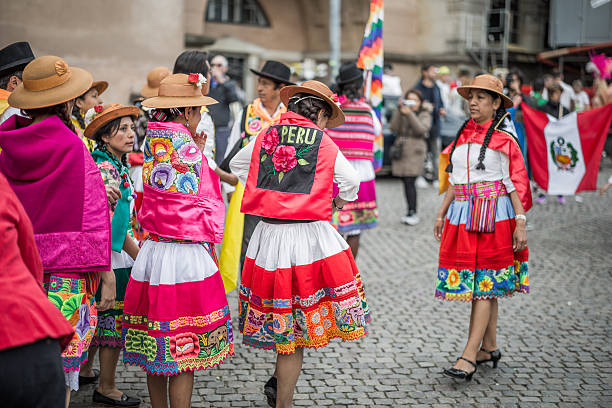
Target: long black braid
{"x":61,"y":111}
{"x":76,"y":113}
{"x":497,"y":118}
{"x":308,"y":107}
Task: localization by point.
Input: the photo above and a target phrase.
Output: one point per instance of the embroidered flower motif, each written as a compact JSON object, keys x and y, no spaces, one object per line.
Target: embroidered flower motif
{"x":184,"y":345}
{"x":270,"y":140}
{"x":178,"y":141}
{"x":177,"y":164}
{"x":83,"y":325}
{"x":442,"y":274}
{"x":453,"y":280}
{"x":106,"y":322}
{"x":284,"y":158}
{"x":161,"y":149}
{"x":197,"y":168}
{"x":190,"y":153}
{"x":187,"y":183}
{"x":148,"y":155}
{"x":486,"y":284}
{"x":316,"y":317}
{"x":254,"y":125}
{"x":163,"y":175}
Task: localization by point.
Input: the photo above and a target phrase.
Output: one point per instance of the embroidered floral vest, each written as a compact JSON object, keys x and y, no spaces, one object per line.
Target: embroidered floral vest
{"x":355,"y":137}
{"x":291,"y":172}
{"x":255,"y":118}
{"x":181,"y":194}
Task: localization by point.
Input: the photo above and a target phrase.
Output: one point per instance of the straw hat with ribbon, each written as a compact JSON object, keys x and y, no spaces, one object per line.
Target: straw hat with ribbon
{"x":321,"y":91}
{"x":49,"y":81}
{"x":488,"y":83}
{"x":100,"y":86}
{"x":179,"y":91}
{"x":154,"y":78}
{"x":99,"y":116}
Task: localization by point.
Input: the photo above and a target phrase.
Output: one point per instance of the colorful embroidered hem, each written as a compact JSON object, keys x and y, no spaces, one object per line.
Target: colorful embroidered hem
{"x":467,"y":285}
{"x":110,"y":322}
{"x":310,"y":321}
{"x":73,"y":295}
{"x":175,"y":354}
{"x":356,"y":216}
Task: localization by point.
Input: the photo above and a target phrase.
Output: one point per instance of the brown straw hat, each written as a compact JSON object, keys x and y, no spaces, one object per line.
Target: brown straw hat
{"x":322,"y":91}
{"x":100,"y":86}
{"x":108,"y":113}
{"x":153,"y":80}
{"x":176,"y":91}
{"x":489,"y":83}
{"x":49,"y":81}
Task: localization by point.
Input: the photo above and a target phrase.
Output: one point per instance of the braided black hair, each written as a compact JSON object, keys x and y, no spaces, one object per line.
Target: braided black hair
{"x":497,"y":119}
{"x":61,"y":111}
{"x":352,"y":90}
{"x":109,"y":128}
{"x":76,"y":112}
{"x":308,"y":107}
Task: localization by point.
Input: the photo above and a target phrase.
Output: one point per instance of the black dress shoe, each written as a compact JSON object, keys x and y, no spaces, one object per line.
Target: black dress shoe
{"x":495,"y":356}
{"x":461,"y":374}
{"x":125,"y":401}
{"x":89,"y":380}
{"x":270,"y":391}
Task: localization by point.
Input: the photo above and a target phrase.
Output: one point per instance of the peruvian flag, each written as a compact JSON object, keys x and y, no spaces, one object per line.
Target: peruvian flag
{"x":564,"y":154}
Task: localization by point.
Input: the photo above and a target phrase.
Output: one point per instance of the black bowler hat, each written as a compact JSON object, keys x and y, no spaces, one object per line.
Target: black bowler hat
{"x":15,"y":57}
{"x":276,"y":71}
{"x":349,"y":72}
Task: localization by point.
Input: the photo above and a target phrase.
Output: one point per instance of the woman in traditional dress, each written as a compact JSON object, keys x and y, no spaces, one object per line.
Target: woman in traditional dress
{"x":300,"y":285}
{"x":481,"y":222}
{"x":112,"y":128}
{"x":176,"y":317}
{"x":62,"y":192}
{"x":355,"y":138}
{"x":82,"y":104}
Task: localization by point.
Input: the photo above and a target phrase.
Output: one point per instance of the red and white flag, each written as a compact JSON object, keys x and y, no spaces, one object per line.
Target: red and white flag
{"x":564,"y":154}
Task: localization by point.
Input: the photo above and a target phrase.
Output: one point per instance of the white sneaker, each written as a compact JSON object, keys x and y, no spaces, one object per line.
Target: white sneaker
{"x":411,"y":219}
{"x":421,"y":182}
{"x":578,"y":199}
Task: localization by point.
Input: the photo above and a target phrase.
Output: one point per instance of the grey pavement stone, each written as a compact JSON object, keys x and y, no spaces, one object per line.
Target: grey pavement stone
{"x":555,"y":341}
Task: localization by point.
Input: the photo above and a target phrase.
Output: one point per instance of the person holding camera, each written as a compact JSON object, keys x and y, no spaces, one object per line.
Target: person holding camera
{"x":411,"y":123}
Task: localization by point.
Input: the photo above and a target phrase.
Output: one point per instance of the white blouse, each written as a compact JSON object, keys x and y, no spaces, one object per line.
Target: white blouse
{"x":345,"y":175}
{"x":497,"y":166}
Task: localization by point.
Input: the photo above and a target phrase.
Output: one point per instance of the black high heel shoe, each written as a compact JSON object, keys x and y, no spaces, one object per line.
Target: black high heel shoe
{"x":495,"y":357}
{"x":270,"y":391}
{"x":461,"y":374}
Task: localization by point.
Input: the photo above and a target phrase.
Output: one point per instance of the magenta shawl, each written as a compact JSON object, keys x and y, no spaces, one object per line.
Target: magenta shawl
{"x":62,"y":191}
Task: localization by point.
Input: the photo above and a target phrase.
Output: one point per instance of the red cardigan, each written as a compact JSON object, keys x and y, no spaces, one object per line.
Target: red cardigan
{"x":27,"y":315}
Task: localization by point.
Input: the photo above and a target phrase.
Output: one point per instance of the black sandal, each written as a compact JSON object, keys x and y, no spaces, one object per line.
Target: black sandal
{"x":89,"y":380}
{"x":270,"y":391}
{"x":461,"y":374}
{"x":125,"y":401}
{"x":495,"y":357}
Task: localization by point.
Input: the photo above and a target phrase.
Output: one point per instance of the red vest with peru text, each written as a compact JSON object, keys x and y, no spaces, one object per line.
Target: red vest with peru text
{"x":291,"y":173}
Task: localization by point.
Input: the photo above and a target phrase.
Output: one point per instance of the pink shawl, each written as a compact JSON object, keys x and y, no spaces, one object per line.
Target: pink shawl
{"x":62,"y":191}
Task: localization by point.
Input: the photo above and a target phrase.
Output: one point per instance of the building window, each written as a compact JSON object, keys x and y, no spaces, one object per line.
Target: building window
{"x":246,"y":12}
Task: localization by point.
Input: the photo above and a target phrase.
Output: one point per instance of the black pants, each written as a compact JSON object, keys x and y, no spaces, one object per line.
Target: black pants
{"x":411,"y":194}
{"x":32,"y":376}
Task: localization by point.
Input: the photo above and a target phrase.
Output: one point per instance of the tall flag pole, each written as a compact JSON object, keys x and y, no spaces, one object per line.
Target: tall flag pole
{"x":371,"y":60}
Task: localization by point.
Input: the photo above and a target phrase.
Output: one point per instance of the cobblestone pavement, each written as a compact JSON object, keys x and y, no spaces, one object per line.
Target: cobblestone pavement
{"x":555,"y":341}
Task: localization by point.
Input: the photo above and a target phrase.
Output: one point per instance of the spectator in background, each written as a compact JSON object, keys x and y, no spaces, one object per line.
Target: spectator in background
{"x":568,"y":91}
{"x":456,"y":107}
{"x":537,"y":95}
{"x":548,"y":81}
{"x":444,"y":84}
{"x":431,"y":93}
{"x":13,"y":58}
{"x":223,"y":90}
{"x":580,"y":99}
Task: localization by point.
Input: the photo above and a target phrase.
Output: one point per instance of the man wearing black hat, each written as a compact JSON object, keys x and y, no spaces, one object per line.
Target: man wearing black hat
{"x":265,"y":110}
{"x":13,"y":58}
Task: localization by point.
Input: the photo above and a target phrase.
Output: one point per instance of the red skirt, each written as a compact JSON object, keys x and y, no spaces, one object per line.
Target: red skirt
{"x":300,"y":288}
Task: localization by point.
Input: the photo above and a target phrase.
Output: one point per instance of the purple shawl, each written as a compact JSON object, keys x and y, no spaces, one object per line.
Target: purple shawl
{"x":62,"y":191}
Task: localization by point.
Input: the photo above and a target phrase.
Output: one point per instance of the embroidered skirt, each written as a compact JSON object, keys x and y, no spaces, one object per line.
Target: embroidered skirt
{"x":300,"y":288}
{"x":480,"y":265}
{"x":176,"y":317}
{"x":361,"y":214}
{"x":108,"y":331}
{"x":73,"y":295}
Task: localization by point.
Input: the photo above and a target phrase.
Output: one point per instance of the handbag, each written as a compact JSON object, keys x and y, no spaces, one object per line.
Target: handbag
{"x":397,"y":148}
{"x":481,"y":210}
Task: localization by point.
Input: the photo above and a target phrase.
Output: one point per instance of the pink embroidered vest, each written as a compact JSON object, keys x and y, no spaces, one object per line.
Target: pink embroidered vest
{"x":355,"y":137}
{"x":181,"y":194}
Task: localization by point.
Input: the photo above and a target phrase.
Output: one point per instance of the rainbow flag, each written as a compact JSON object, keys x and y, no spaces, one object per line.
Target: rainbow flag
{"x":371,"y":59}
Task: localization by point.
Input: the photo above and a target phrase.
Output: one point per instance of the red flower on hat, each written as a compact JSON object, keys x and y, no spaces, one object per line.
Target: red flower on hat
{"x":334,"y":97}
{"x":193,"y":78}
{"x":98,"y":108}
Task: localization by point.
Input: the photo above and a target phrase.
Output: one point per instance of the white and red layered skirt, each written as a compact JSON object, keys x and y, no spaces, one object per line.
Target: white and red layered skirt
{"x":176,"y":316}
{"x":480,"y":265}
{"x":300,"y":288}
